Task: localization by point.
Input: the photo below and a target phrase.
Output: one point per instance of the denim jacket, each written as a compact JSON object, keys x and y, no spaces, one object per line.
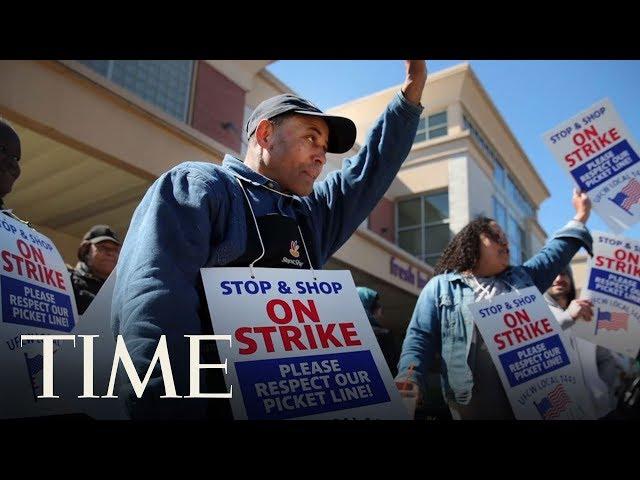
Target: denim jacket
{"x":442,"y":323}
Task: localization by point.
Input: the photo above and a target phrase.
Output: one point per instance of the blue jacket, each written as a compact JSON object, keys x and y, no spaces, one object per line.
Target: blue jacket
{"x":193,"y":216}
{"x":441,"y":322}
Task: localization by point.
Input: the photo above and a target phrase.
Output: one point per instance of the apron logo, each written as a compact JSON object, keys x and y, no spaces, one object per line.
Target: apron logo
{"x":294,"y":249}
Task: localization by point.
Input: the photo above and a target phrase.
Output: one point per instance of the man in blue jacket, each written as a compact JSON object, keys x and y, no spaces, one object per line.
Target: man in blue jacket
{"x":247,"y":213}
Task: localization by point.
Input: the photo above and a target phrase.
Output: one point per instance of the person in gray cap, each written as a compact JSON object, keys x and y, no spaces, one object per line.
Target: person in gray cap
{"x":97,"y":255}
{"x":266,"y":210}
{"x":567,"y":309}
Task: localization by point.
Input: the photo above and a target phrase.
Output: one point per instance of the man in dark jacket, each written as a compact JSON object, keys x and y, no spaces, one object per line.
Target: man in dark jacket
{"x":9,"y":158}
{"x":98,"y":255}
{"x":10,"y":153}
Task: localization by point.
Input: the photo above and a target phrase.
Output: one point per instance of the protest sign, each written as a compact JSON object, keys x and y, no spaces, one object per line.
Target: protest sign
{"x":37,"y":298}
{"x":599,"y":153}
{"x":536,"y":365}
{"x":302,"y":346}
{"x":613,"y":286}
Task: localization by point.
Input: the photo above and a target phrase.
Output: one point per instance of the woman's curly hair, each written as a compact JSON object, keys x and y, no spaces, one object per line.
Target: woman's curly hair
{"x":463,"y":250}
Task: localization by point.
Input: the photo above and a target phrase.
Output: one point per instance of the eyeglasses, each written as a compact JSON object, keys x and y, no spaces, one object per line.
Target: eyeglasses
{"x":3,"y":150}
{"x":107,"y":249}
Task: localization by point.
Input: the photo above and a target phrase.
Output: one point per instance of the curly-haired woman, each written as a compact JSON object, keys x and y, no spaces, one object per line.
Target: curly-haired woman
{"x":474,"y":267}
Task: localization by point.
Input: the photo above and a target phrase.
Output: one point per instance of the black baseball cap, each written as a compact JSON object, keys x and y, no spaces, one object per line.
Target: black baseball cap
{"x":100,"y":233}
{"x":342,"y":131}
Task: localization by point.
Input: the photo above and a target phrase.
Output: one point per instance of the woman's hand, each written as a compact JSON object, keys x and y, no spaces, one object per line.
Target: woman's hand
{"x":582,"y":204}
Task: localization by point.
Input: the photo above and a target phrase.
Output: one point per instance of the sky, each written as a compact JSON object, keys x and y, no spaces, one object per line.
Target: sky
{"x":532,"y":96}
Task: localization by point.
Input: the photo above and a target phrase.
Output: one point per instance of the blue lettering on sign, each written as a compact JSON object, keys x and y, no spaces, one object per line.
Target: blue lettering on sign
{"x":617,"y":286}
{"x":317,"y":288}
{"x":300,"y":386}
{"x":533,"y":360}
{"x":240,"y":286}
{"x":405,"y":274}
{"x":605,"y":166}
{"x":27,"y":304}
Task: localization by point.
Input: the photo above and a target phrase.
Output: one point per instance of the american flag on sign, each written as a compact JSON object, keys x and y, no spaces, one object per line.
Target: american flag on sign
{"x":551,"y":406}
{"x":34,"y":366}
{"x":628,"y":196}
{"x":612,"y":321}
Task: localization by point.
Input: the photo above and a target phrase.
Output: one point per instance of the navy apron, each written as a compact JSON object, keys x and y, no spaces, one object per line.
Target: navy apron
{"x":284,"y":247}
